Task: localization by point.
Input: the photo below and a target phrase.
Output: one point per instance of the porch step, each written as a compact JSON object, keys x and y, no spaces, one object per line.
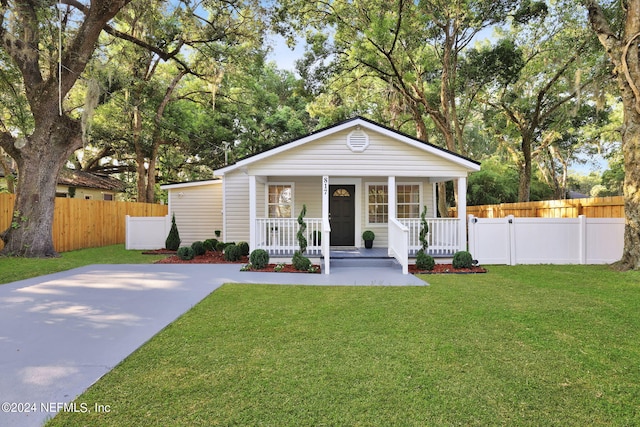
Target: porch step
{"x":383,"y":262}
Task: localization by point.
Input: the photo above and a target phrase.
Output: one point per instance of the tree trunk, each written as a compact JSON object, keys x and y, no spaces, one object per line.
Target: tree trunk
{"x":623,"y":53}
{"x":30,"y":233}
{"x":631,"y":188}
{"x":524,"y":185}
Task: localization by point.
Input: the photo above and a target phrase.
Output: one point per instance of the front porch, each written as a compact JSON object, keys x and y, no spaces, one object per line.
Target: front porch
{"x":278,"y":236}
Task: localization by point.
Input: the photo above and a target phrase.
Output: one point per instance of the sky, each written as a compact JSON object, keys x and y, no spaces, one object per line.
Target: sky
{"x":283,"y":55}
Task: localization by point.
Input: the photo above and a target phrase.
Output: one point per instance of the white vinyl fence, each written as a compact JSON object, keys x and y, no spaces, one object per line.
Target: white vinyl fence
{"x":514,"y":240}
{"x":147,"y":232}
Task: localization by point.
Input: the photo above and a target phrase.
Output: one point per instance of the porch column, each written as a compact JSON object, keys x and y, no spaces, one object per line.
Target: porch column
{"x":391,"y":185}
{"x":391,"y":207}
{"x":326,"y":244}
{"x":462,"y":212}
{"x":325,"y":197}
{"x":252,"y":212}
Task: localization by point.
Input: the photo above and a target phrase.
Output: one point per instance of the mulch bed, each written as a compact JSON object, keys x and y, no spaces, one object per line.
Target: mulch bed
{"x":287,"y":268}
{"x":207,"y":258}
{"x":218,"y":258}
{"x":446,"y":269}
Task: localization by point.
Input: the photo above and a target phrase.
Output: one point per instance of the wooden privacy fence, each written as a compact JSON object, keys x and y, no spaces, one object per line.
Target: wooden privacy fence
{"x":594,"y":207}
{"x":79,"y":223}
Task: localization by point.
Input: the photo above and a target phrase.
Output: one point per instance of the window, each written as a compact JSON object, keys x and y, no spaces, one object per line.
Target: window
{"x":107,"y":197}
{"x":280,"y":201}
{"x":408,"y":201}
{"x":378,"y":204}
{"x":341,"y":192}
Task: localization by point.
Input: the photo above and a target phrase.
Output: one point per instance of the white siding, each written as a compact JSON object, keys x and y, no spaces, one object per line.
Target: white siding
{"x":331,"y":156}
{"x":198,"y":211}
{"x":236,"y":190}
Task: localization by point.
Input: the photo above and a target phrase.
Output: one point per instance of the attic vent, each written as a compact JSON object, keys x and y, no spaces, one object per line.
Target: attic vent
{"x":358,"y":140}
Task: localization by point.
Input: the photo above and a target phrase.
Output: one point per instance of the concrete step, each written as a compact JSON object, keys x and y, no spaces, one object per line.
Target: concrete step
{"x":385,"y":262}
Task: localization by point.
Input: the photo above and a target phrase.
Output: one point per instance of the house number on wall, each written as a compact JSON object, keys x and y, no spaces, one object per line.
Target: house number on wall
{"x":325,"y":185}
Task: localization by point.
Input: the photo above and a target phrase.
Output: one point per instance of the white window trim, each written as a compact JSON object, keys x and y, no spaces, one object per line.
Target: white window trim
{"x":293,"y":197}
{"x":420,"y":195}
{"x":366,"y":206}
{"x":370,"y":183}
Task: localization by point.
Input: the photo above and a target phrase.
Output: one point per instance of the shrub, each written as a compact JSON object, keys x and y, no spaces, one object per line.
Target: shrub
{"x":173,"y":239}
{"x":259,"y":258}
{"x":302,"y":227}
{"x":220,"y":246}
{"x":244,"y":248}
{"x":424,"y":229}
{"x":424,"y":261}
{"x":300,"y":262}
{"x":232,"y":253}
{"x":368,"y":235}
{"x":462,"y":259}
{"x":198,"y":248}
{"x":185,"y":253}
{"x":210,"y":244}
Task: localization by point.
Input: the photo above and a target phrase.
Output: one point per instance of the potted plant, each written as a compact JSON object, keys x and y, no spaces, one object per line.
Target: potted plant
{"x":368,"y":237}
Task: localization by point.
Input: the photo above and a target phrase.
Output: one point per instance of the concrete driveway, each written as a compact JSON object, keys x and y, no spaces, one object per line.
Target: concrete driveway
{"x":60,"y":333}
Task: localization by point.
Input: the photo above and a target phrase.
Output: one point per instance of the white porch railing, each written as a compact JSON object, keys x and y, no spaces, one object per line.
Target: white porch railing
{"x":279,"y":235}
{"x":326,"y":244}
{"x":443,"y":237}
{"x":399,"y":243}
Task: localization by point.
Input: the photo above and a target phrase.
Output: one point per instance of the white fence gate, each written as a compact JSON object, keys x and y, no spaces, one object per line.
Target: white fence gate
{"x":514,"y":240}
{"x":147,"y":232}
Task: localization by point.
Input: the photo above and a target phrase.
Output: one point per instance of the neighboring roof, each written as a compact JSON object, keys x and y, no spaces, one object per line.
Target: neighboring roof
{"x":347,"y":124}
{"x":173,"y":185}
{"x":75,"y":178}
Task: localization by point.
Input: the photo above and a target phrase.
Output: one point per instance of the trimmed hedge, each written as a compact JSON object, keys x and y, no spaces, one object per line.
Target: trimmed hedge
{"x":185,"y":253}
{"x":462,"y":259}
{"x":259,"y":259}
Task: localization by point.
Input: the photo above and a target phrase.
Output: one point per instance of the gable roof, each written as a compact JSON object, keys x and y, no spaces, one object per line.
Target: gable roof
{"x":77,"y":178}
{"x":348,"y":124}
{"x":91,"y":180}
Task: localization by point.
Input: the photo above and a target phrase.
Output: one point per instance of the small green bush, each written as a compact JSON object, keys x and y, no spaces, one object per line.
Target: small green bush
{"x":424,"y":261}
{"x":198,"y":248}
{"x":210,"y":244}
{"x":300,"y":262}
{"x":220,"y":246}
{"x":462,"y":259}
{"x":173,"y":239}
{"x":244,"y":248}
{"x":259,"y":258}
{"x":232,"y":253}
{"x":368,"y":235}
{"x":185,"y":253}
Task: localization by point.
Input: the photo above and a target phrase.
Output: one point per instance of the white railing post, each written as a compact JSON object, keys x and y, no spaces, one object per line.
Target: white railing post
{"x":326,"y":244}
{"x":399,"y":243}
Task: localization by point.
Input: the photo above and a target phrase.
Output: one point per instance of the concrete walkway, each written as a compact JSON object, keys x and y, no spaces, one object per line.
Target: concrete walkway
{"x":60,"y":333}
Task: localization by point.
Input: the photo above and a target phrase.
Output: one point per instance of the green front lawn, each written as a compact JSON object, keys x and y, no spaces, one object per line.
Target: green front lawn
{"x":12,"y":269}
{"x":526,"y":345}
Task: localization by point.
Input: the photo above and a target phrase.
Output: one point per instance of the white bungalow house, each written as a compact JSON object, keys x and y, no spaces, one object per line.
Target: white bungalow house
{"x":354,"y":176}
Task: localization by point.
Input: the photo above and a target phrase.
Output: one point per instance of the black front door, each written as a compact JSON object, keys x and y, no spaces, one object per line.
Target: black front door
{"x":342,"y":214}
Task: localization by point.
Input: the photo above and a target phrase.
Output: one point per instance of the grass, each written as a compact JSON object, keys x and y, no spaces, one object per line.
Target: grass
{"x":12,"y":269}
{"x":525,"y":346}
